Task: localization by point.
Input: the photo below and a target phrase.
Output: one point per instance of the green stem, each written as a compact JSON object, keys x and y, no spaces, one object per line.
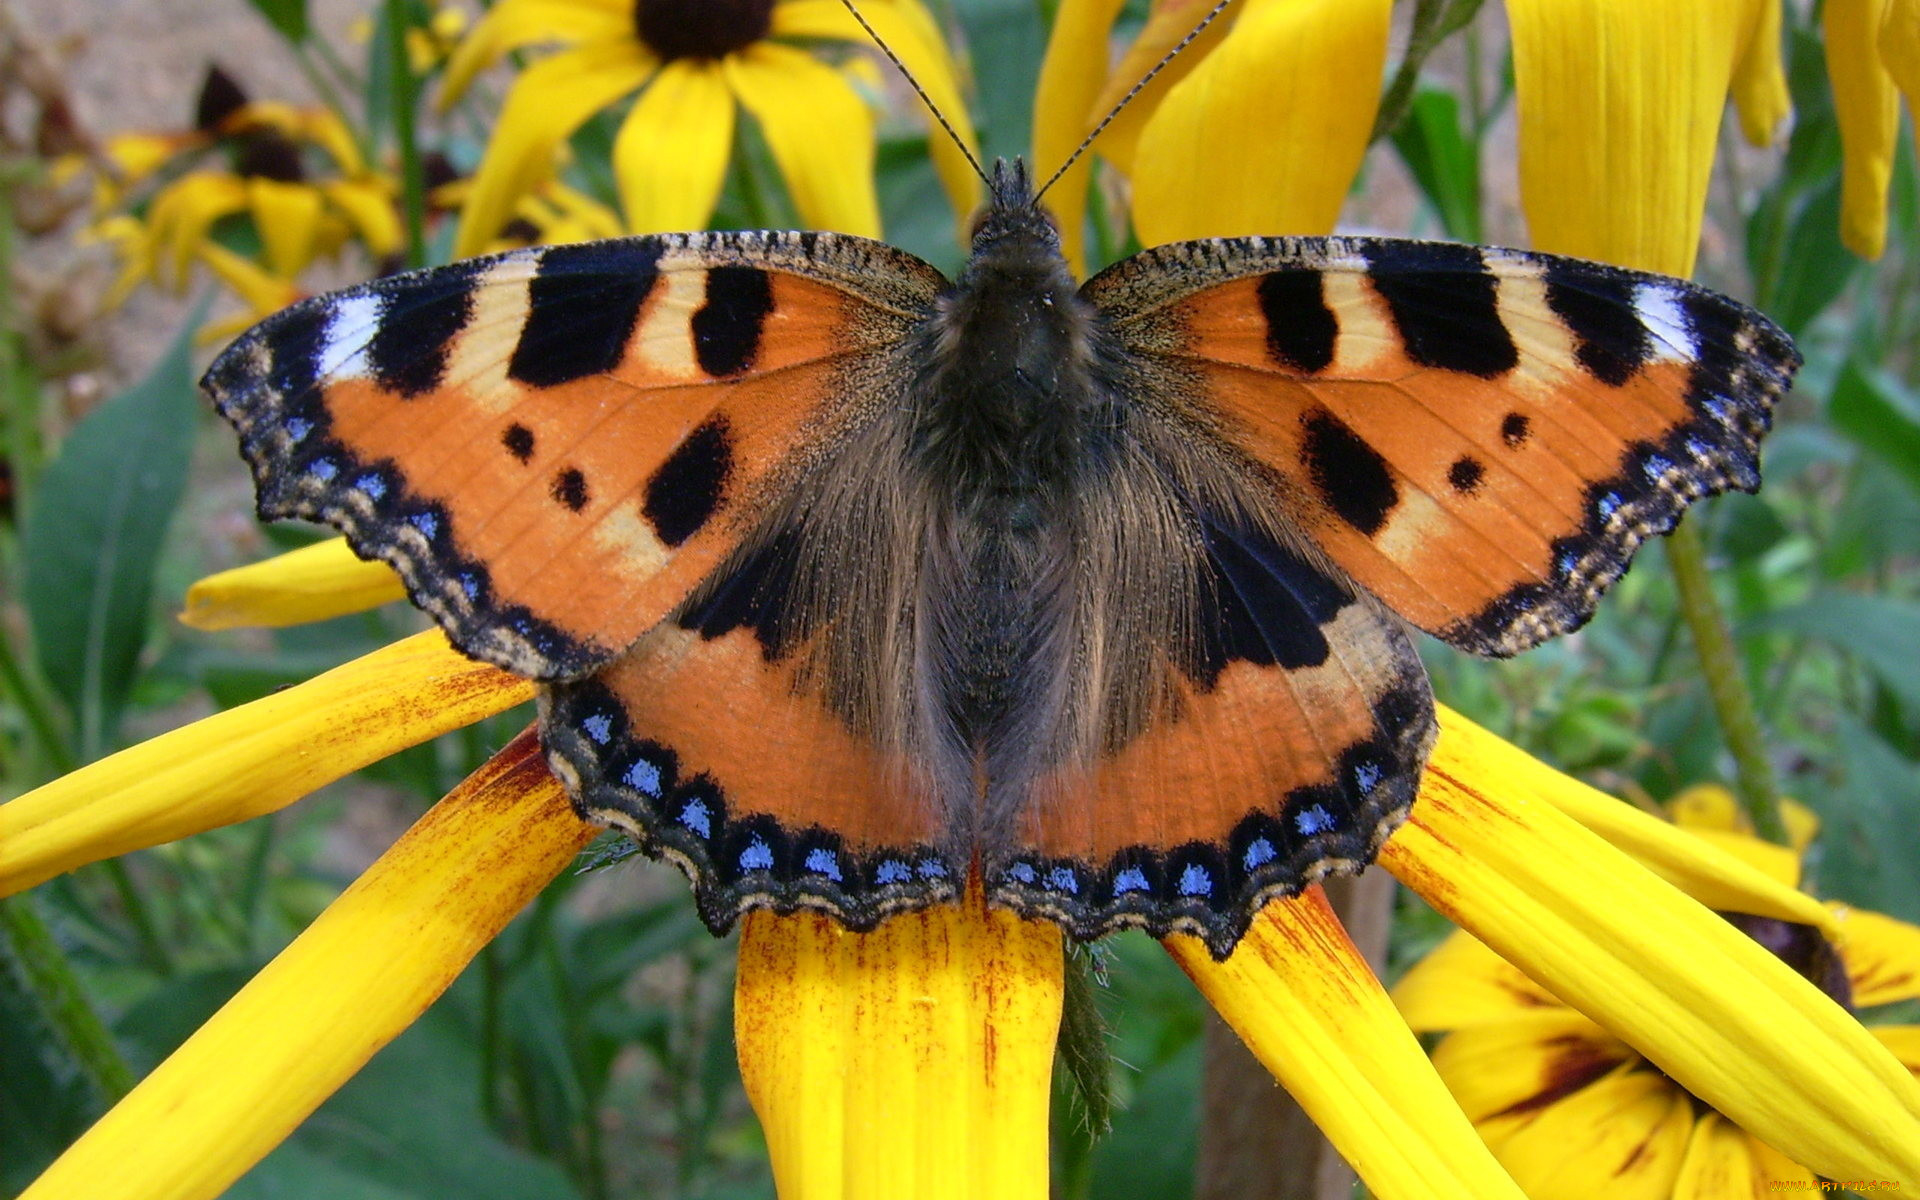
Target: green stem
{"x":1434,"y":21}
{"x":15,"y":684}
{"x":1726,"y":684}
{"x":63,"y":1002}
{"x":405,"y":99}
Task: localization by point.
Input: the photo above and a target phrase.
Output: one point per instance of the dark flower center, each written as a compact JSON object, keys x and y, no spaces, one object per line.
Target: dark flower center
{"x":220,"y":98}
{"x":1802,"y":947}
{"x":701,"y":28}
{"x":267,"y":154}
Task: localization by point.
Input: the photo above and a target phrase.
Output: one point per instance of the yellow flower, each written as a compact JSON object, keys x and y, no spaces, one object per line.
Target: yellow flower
{"x":940,"y":1025}
{"x":1575,"y":1112}
{"x":1873,"y":59}
{"x":691,"y":62}
{"x":549,"y":215}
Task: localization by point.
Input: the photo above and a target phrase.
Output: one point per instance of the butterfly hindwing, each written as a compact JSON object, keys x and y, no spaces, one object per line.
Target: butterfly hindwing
{"x":553,"y":446}
{"x":1481,"y":438}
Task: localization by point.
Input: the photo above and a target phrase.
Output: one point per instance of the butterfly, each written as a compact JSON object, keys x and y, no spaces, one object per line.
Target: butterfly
{"x":844,"y":581}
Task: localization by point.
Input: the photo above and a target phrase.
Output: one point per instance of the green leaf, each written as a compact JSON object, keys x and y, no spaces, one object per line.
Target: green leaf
{"x":1865,"y":852}
{"x":1443,"y":161}
{"x":1883,"y":633}
{"x":1878,"y":413}
{"x":288,"y":17}
{"x":92,"y":541}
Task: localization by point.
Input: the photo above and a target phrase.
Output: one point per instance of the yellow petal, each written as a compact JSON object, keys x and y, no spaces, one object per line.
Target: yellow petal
{"x":1719,"y":1163}
{"x":1777,"y":1168}
{"x":1882,"y":956}
{"x":359,"y":975}
{"x":368,"y":207}
{"x":1777,"y":863}
{"x":819,"y":130}
{"x":1902,"y":1041}
{"x":548,"y":102}
{"x":1711,"y":1008}
{"x":1868,"y":108}
{"x":1070,"y":78}
{"x":670,"y":157}
{"x":1711,"y":806}
{"x":250,"y":760}
{"x":1619,"y":108}
{"x":183,"y":212}
{"x":1308,"y":1006}
{"x":324,"y":128}
{"x":1760,"y":78}
{"x":1168,"y":24}
{"x":287,"y":216}
{"x":1710,"y":875}
{"x":925,"y":56}
{"x":1461,"y":984}
{"x":1193,"y":175}
{"x":138,"y":155}
{"x":915,"y":1060}
{"x":1629,"y":1130}
{"x":1527,"y":1062}
{"x":514,"y":24}
{"x":582,"y":212}
{"x":313,"y":583}
{"x":263,"y":291}
{"x":1899,"y":43}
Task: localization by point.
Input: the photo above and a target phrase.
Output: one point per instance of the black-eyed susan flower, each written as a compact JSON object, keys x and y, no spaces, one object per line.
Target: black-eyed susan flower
{"x":1574,"y":1112}
{"x":689,"y":65}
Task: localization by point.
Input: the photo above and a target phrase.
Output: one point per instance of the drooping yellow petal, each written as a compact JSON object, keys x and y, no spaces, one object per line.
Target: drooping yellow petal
{"x":1711,"y":806}
{"x":548,"y":102}
{"x":181,"y":215}
{"x":1308,"y":1006}
{"x":359,"y":975}
{"x":324,"y":128}
{"x":1710,"y":875}
{"x":250,"y":760}
{"x":1899,"y":43}
{"x":670,"y":157}
{"x":1629,"y":1129}
{"x":1760,"y":78}
{"x":1719,"y":1163}
{"x":367,"y":205}
{"x":1169,"y":23}
{"x":925,"y":57}
{"x":1903,"y":1041}
{"x":1192,"y":173}
{"x":313,"y":583}
{"x":1882,"y":956}
{"x":1619,"y":108}
{"x":1527,"y":1061}
{"x":578,"y":217}
{"x":1461,"y":984}
{"x":263,"y":291}
{"x":1071,"y":75}
{"x":513,"y":24}
{"x":287,"y":216}
{"x":915,"y":1060}
{"x":1868,"y":109}
{"x":138,"y":155}
{"x":1709,"y":1006}
{"x":819,"y":130}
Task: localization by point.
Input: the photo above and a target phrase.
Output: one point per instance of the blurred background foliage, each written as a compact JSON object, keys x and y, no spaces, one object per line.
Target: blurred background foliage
{"x":588,"y":1052}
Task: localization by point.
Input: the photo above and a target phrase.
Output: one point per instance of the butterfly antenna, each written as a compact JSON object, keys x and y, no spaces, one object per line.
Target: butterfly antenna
{"x":917,"y":90}
{"x":1133,"y":91}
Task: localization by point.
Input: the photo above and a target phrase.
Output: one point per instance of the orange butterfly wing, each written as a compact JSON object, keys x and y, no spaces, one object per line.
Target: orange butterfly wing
{"x":554,"y":446}
{"x":1481,"y":438}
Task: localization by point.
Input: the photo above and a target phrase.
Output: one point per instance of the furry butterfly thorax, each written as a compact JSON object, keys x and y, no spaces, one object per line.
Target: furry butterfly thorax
{"x":844,"y":581}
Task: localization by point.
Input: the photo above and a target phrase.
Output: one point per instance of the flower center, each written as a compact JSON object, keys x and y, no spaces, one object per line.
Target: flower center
{"x":1803,"y":948}
{"x":268,"y":154}
{"x":701,"y":28}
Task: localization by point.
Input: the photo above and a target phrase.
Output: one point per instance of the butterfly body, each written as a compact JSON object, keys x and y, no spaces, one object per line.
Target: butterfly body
{"x":846,"y":581}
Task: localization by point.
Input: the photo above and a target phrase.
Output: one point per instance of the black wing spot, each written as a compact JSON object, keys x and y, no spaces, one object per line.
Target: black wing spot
{"x":1610,"y":340}
{"x":582,"y":306}
{"x":726,"y":330}
{"x":686,"y":491}
{"x":518,"y":440}
{"x":1446,"y":305}
{"x":1515,"y":429}
{"x":1465,"y":475}
{"x":418,"y":323}
{"x":1349,"y":474}
{"x":1301,"y":329}
{"x":570,"y":489}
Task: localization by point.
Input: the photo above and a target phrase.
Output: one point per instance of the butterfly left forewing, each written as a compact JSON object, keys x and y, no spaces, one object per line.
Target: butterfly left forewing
{"x":554,"y":446}
{"x":1481,"y":438}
